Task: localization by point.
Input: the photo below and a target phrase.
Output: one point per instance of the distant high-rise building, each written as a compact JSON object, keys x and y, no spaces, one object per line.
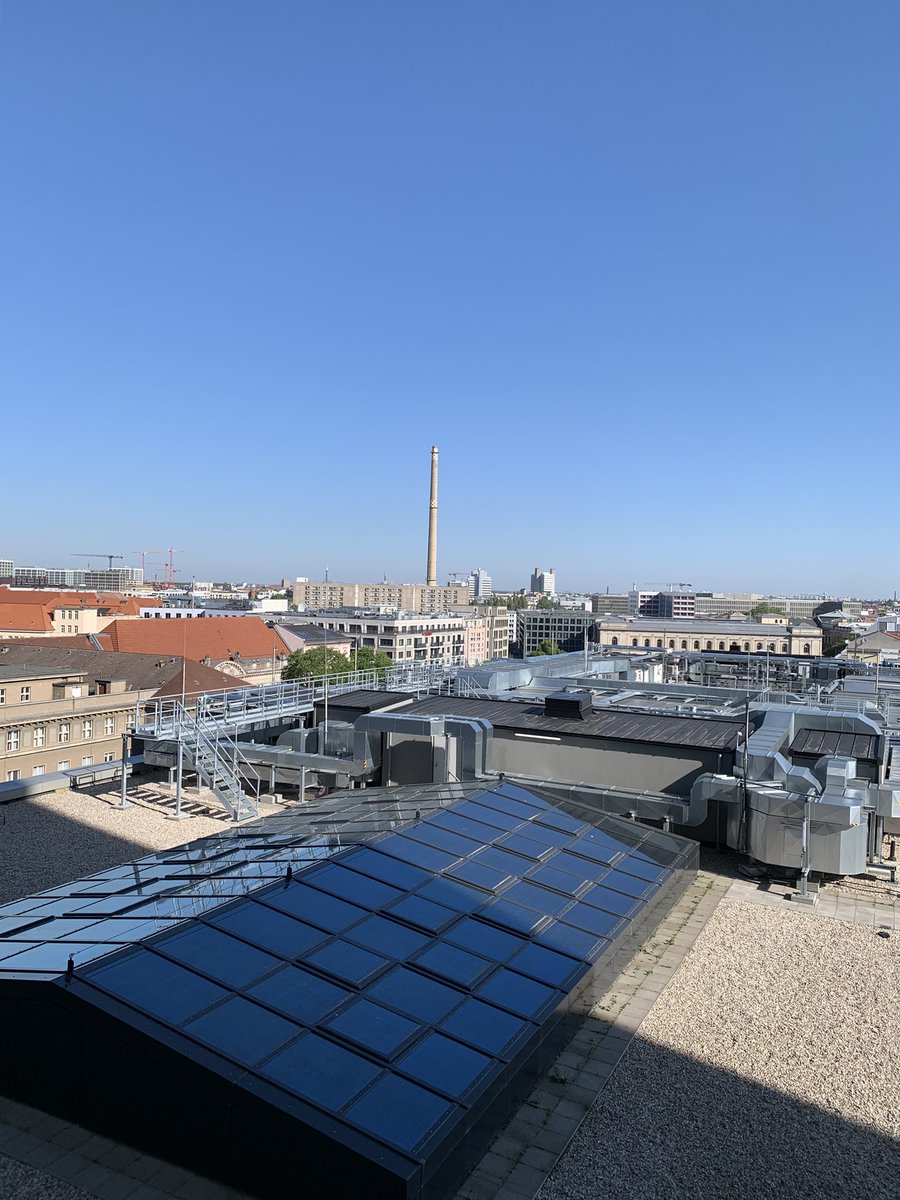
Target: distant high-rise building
{"x":480,"y":584}
{"x":543,"y":581}
{"x":7,"y":568}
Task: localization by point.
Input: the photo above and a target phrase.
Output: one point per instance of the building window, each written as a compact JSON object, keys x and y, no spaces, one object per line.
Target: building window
{"x":671,"y":643}
{"x":109,"y":725}
{"x":683,"y":644}
{"x":659,"y":643}
{"x":63,"y":764}
{"x":759,"y":645}
{"x":721,"y":645}
{"x":771,"y":647}
{"x":25,"y":695}
{"x":746,"y":646}
{"x":87,"y":729}
{"x":634,"y":641}
{"x":109,"y":758}
{"x":696,"y":645}
{"x":709,"y":645}
{"x":2,"y":695}
{"x":37,"y":737}
{"x":12,"y":776}
{"x":12,"y":740}
{"x":64,"y":727}
{"x":615,"y":641}
{"x":38,"y":770}
{"x":806,"y":647}
{"x":88,"y":760}
{"x":784,"y":647}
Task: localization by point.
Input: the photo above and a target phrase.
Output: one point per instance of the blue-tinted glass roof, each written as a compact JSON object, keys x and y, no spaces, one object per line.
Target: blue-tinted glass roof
{"x":391,"y":978}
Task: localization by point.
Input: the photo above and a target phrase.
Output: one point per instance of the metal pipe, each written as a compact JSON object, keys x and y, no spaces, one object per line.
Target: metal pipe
{"x":123,"y":799}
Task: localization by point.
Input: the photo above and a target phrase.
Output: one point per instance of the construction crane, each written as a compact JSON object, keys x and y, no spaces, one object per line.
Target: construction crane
{"x":143,"y":554}
{"x":109,"y":556}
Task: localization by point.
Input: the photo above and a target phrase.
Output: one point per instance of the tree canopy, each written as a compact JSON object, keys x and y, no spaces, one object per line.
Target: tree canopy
{"x":367,"y":658}
{"x":307,"y":664}
{"x":548,"y":647}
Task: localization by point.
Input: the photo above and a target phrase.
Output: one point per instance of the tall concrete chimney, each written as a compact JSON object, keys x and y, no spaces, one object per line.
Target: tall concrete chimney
{"x":431,"y":572}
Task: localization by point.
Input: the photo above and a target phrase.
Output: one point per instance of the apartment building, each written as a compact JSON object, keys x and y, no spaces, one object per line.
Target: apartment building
{"x":496,"y":621}
{"x":35,"y":613}
{"x":61,"y":709}
{"x":442,"y":638}
{"x":404,"y":597}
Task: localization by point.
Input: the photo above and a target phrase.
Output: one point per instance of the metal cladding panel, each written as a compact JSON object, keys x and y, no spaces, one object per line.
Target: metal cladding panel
{"x":820,"y":742}
{"x":379,"y":1000}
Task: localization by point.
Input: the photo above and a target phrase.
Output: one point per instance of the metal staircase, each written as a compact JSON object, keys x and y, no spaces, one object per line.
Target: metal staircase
{"x":220,"y":764}
{"x":208,"y":733}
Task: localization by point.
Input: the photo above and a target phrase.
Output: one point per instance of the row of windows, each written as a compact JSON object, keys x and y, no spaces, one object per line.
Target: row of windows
{"x":63,"y":765}
{"x":769,"y":647}
{"x":63,"y":733}
{"x":24,"y":695}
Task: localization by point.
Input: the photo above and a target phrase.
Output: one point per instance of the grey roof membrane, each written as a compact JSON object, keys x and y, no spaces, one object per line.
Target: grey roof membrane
{"x":611,"y":723}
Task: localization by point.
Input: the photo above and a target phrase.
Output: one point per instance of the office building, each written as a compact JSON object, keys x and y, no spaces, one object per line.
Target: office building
{"x":543,"y":582}
{"x":441,"y":638}
{"x":661,"y":604}
{"x":480,"y":584}
{"x":7,"y":568}
{"x":562,"y":626}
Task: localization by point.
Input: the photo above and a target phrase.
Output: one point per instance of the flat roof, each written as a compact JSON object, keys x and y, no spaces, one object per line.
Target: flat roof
{"x":616,"y":724}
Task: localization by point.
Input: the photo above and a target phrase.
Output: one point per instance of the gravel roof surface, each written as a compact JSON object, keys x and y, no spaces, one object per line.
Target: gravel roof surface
{"x":769,"y":1067}
{"x":53,"y":839}
{"x":22,"y":1182}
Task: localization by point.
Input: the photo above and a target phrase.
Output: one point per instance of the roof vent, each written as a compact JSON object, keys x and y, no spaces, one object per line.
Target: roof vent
{"x":571,"y":706}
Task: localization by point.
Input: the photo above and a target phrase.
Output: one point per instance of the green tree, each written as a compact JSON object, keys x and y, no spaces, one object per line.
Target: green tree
{"x":834,"y":650}
{"x":758,"y":609}
{"x":367,"y":658}
{"x":548,"y":647}
{"x":545,"y":602}
{"x":498,"y":600}
{"x":307,"y":664}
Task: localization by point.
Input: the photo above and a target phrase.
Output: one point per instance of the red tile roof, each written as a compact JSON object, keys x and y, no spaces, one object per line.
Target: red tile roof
{"x":30,"y":618}
{"x":215,"y":638}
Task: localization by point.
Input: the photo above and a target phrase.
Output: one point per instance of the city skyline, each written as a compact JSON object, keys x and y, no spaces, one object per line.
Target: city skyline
{"x":633,"y":268}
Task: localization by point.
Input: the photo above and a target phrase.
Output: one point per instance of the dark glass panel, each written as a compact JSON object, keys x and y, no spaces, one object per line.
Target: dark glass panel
{"x":241,"y":1030}
{"x":417,"y":995}
{"x":157,"y":986}
{"x":374,"y":1028}
{"x":321,"y":1072}
{"x":399,"y":1113}
{"x":230,"y":961}
{"x":485,"y":1027}
{"x":445,"y":1065}
{"x":269,"y":929}
{"x":454,"y":963}
{"x":525,"y":997}
{"x":346,"y":962}
{"x":300,"y":994}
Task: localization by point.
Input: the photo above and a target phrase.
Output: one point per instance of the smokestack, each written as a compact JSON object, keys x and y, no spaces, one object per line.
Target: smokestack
{"x":431,"y":573}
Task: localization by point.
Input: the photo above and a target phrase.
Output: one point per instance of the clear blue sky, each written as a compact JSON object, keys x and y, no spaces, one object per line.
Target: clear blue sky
{"x":633,"y":266}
